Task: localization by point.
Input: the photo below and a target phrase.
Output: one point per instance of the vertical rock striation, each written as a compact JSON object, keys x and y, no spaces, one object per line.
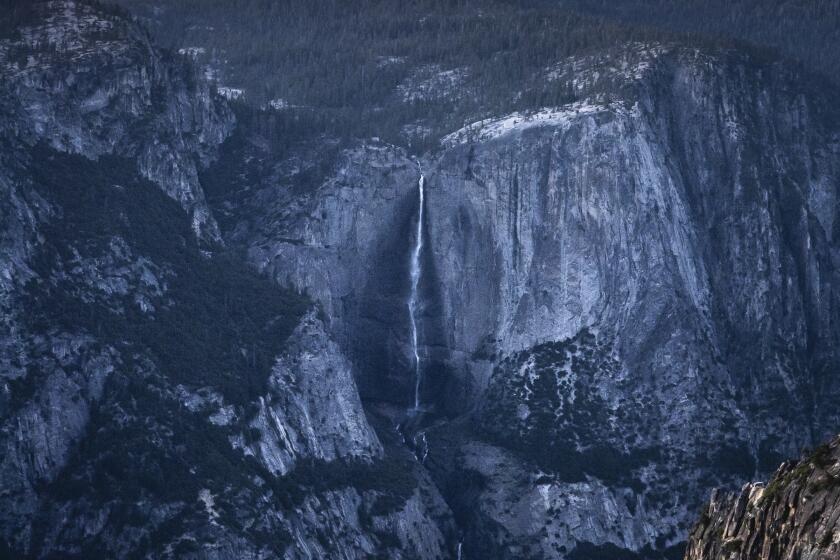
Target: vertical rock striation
{"x":640,"y":288}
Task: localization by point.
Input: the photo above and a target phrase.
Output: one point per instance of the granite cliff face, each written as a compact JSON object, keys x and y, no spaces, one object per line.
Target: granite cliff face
{"x":646,"y":286}
{"x":627,"y":300}
{"x":345,"y":243}
{"x":795,"y":515}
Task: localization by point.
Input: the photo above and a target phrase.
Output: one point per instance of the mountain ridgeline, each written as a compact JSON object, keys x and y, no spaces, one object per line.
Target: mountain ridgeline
{"x":411,"y":71}
{"x":497,"y":279}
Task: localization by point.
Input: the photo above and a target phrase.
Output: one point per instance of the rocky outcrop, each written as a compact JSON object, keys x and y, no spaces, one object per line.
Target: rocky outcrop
{"x":795,"y":515}
{"x":312,"y":408}
{"x":88,"y":81}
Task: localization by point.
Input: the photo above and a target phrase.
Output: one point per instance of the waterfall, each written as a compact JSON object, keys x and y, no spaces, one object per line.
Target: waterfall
{"x":460,"y":544}
{"x":421,"y":447}
{"x":414,"y":298}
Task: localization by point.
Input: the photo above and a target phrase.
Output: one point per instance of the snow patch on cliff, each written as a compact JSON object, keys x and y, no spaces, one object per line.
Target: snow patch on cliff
{"x":432,"y":82}
{"x":490,"y":129}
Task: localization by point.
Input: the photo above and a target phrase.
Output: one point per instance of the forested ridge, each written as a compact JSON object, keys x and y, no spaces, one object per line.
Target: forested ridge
{"x":406,"y":71}
{"x":382,"y":68}
{"x":803,"y":30}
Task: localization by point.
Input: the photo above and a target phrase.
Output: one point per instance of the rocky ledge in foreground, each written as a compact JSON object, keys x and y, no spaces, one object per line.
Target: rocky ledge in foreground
{"x":795,"y":516}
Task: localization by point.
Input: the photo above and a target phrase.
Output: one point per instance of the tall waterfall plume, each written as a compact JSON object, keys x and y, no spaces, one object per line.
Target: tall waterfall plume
{"x":414,"y":298}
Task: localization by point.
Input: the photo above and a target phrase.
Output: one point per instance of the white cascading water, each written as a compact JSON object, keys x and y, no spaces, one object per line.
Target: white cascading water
{"x":414,"y":299}
{"x":460,"y":544}
{"x":421,"y":447}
